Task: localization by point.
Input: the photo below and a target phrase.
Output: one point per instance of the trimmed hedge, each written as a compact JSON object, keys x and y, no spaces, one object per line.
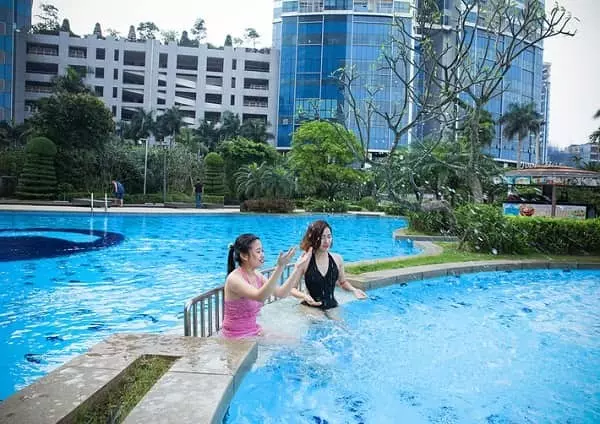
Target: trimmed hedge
{"x":213,"y":200}
{"x":326,"y":206}
{"x":214,"y":175}
{"x":38,"y":179}
{"x":268,"y":205}
{"x":560,"y":235}
{"x":483,"y":228}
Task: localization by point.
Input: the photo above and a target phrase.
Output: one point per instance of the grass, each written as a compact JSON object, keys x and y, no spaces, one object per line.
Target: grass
{"x":452,"y":254}
{"x":115,"y":404}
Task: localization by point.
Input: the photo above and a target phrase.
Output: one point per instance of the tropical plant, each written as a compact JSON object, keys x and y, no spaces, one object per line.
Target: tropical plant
{"x":71,"y":82}
{"x":249,"y":180}
{"x":14,"y":135}
{"x":521,"y":121}
{"x":169,"y":123}
{"x":230,"y":126}
{"x":595,"y":136}
{"x":255,"y":130}
{"x":322,"y":159}
{"x":199,"y":30}
{"x":38,"y":179}
{"x":252,"y":35}
{"x":147,"y":30}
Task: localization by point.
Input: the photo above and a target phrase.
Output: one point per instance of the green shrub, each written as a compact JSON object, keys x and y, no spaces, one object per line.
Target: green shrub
{"x":38,"y":179}
{"x":560,"y":236}
{"x":369,"y":203}
{"x":433,"y":222}
{"x":11,"y":161}
{"x":268,"y":205}
{"x":214,"y":175}
{"x":326,"y":206}
{"x":483,"y":228}
{"x":354,"y":208}
{"x":398,"y":209}
{"x":213,"y":200}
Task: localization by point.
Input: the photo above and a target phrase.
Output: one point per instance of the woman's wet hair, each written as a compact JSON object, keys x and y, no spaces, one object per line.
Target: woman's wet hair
{"x":241,"y":245}
{"x":312,"y":237}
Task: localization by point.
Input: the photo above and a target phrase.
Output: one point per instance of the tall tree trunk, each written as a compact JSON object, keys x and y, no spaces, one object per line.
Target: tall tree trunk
{"x":537,"y":148}
{"x":519,"y":148}
{"x":475,"y":187}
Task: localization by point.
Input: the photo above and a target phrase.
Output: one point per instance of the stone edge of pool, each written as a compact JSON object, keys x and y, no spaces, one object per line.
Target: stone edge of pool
{"x":202,"y":382}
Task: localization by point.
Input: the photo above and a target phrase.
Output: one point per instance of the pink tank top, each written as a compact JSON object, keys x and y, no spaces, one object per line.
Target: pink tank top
{"x":239,"y":315}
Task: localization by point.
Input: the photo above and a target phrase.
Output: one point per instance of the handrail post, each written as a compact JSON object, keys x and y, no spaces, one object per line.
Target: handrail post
{"x":105,"y":203}
{"x":92,"y":202}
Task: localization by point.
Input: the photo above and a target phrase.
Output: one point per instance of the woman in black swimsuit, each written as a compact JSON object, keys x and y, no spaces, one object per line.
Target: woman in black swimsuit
{"x":324,"y":270}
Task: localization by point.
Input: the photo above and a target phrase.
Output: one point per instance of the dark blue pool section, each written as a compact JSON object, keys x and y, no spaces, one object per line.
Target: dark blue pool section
{"x":18,"y":247}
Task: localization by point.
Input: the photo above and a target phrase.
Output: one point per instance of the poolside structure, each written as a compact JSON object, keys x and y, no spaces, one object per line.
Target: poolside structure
{"x":551,"y":177}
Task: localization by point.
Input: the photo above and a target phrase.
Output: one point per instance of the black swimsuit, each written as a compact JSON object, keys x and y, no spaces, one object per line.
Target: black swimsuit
{"x":321,"y":287}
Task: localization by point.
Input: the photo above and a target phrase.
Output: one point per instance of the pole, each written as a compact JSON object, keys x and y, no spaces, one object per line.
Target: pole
{"x":165,"y":176}
{"x":92,"y":202}
{"x":105,"y":203}
{"x":145,"y":165}
{"x":553,"y":201}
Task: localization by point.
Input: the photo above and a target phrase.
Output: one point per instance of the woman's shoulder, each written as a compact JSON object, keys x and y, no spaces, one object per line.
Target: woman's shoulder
{"x":337,"y":258}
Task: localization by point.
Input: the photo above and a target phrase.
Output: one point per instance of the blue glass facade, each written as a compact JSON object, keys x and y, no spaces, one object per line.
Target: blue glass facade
{"x":316,"y":38}
{"x":15,"y":15}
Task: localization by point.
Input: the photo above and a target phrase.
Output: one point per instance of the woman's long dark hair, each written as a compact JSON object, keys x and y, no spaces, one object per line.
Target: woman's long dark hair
{"x":241,"y":245}
{"x":312,"y":237}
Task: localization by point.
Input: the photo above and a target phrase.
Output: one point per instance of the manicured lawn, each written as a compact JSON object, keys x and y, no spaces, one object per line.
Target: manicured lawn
{"x":452,"y":254}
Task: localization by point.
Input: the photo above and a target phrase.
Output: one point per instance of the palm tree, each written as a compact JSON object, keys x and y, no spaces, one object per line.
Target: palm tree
{"x":14,"y":135}
{"x":278,"y":182}
{"x":520,"y":121}
{"x":255,"y":130}
{"x":71,"y":82}
{"x":249,"y":180}
{"x":208,"y":134}
{"x":595,"y":136}
{"x":230,"y":126}
{"x":141,"y":125}
{"x":169,"y":123}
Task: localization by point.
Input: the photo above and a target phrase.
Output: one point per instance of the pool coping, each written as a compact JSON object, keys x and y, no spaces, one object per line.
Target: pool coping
{"x":376,"y":279}
{"x":192,"y":390}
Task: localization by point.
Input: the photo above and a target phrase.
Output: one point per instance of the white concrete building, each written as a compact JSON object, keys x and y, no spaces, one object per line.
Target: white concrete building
{"x":203,"y":82}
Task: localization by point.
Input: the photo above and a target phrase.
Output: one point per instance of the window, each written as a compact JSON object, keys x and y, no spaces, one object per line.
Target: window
{"x":233,"y":82}
{"x":232,"y":100}
{"x":214,"y":81}
{"x":99,"y":73}
{"x":163,"y":60}
{"x":160,"y":101}
{"x":162,"y":83}
{"x":114,"y":110}
{"x":2,"y":84}
{"x":41,"y":68}
{"x":134,"y":58}
{"x":100,"y":54}
{"x":42,"y":49}
{"x":188,"y":63}
{"x":116,"y":56}
{"x":255,"y":66}
{"x":132,"y":78}
{"x":214,"y":64}
{"x":2,"y":56}
{"x":254,"y":101}
{"x":256,"y":84}
{"x":78,"y":52}
{"x":115,"y":74}
{"x":213,"y":117}
{"x":215,"y":99}
{"x":115,"y":92}
{"x":99,"y":90}
{"x":234,"y":64}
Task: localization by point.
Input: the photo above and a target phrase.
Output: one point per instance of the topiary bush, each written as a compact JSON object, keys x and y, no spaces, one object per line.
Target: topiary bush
{"x":214,"y":175}
{"x":38,"y":179}
{"x":268,"y":205}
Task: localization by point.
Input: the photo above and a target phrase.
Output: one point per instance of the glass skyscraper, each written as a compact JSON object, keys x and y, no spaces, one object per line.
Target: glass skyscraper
{"x":15,"y":16}
{"x":316,"y":37}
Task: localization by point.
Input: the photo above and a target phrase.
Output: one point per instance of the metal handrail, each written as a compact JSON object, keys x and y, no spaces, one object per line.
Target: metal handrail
{"x":212,"y":306}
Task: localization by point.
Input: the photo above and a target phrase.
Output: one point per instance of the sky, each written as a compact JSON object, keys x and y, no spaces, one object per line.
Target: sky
{"x":575,"y":81}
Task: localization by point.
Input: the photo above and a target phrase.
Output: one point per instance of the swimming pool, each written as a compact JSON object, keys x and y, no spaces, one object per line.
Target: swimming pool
{"x":52,"y":308}
{"x":495,"y":348}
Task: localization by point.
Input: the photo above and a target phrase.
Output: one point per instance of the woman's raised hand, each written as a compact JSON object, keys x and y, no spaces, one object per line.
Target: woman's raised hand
{"x":285,"y":258}
{"x":303,"y":261}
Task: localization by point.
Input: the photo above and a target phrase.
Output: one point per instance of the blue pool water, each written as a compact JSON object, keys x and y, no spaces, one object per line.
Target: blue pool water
{"x":54,"y":308}
{"x":494,"y":348}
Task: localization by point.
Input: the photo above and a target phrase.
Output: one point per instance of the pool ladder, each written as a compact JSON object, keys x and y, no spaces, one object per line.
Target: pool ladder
{"x":203,"y":315}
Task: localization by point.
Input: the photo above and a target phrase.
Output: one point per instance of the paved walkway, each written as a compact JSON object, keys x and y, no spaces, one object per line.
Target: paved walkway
{"x":116,"y":210}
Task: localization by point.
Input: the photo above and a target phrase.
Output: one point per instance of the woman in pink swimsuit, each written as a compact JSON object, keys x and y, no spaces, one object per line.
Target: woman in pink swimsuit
{"x":246,"y":288}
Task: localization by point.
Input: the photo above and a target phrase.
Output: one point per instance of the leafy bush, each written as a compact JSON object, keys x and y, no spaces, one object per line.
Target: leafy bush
{"x":560,"y":236}
{"x":214,"y":179}
{"x":483,"y":228}
{"x":326,"y":206}
{"x":369,"y":203}
{"x":12,"y":161}
{"x":268,"y":205}
{"x":38,"y":179}
{"x":355,"y":208}
{"x":213,"y":200}
{"x":433,"y":222}
{"x":157,"y":198}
